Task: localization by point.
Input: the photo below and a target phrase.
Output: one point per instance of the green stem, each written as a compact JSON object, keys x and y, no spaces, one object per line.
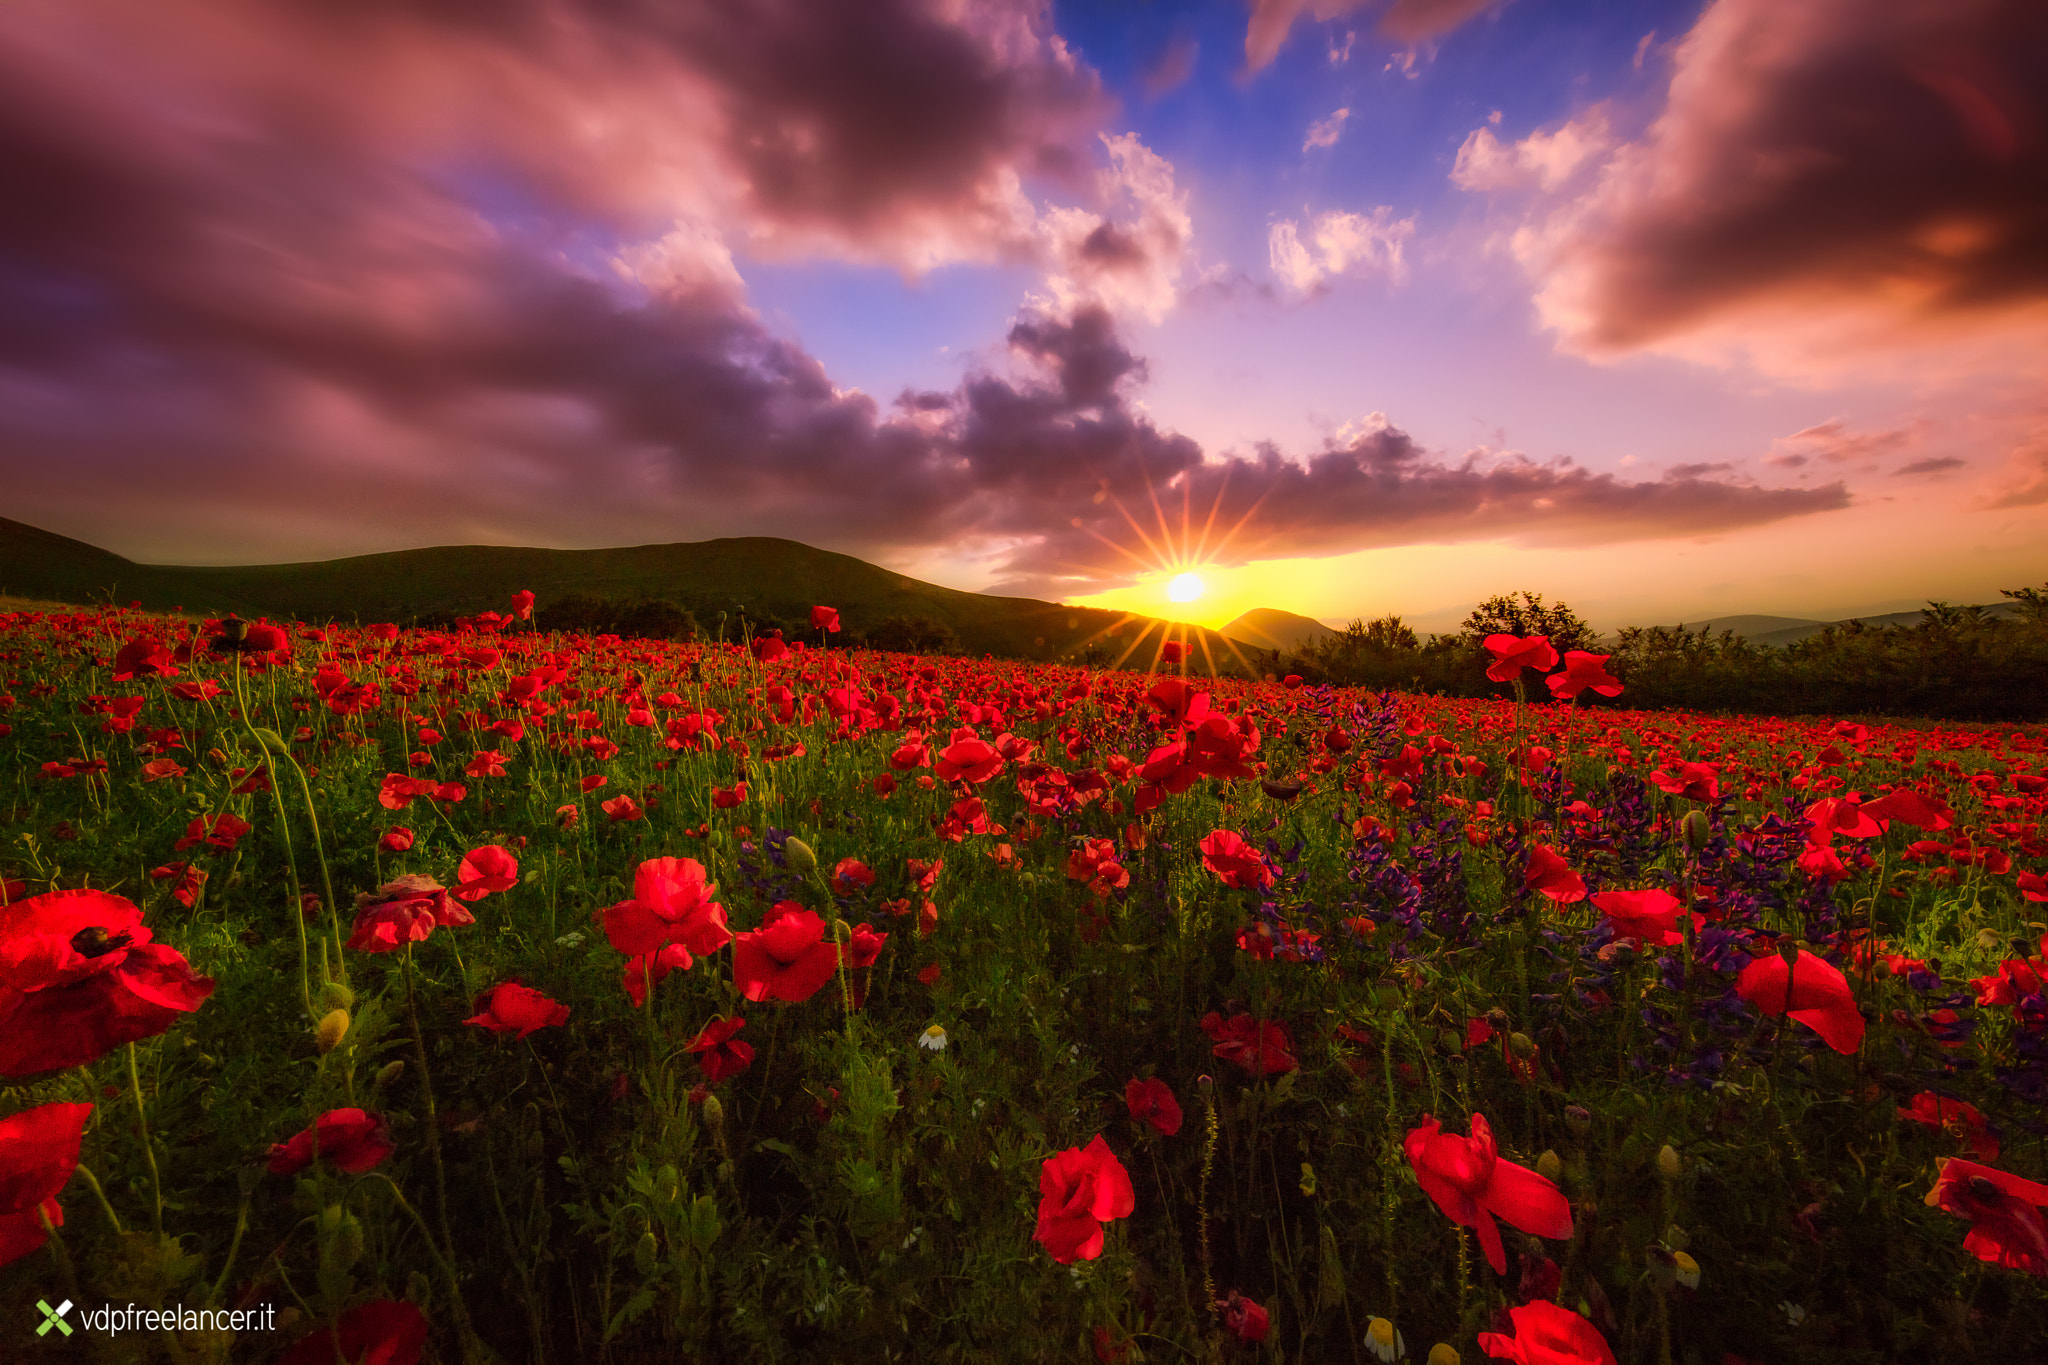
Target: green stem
{"x":92,"y":1182}
{"x":156,"y":1183}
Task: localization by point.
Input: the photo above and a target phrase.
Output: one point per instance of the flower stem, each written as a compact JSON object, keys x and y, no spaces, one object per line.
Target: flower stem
{"x":156,"y":1183}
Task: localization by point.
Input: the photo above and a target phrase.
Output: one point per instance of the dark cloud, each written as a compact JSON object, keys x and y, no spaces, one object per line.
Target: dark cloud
{"x":1175,"y":64}
{"x":281,"y":283}
{"x":1405,"y":21}
{"x":1833,"y":149}
{"x":1938,"y":465}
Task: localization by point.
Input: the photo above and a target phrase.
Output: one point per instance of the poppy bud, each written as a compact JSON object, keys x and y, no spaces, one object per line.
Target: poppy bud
{"x":1450,"y":1041}
{"x":1788,"y":948}
{"x":333,"y":1027}
{"x":335,"y":995}
{"x":269,"y":739}
{"x":1550,"y":1166}
{"x":386,"y":1074}
{"x":341,"y":1238}
{"x":1697,"y":830}
{"x":1522,"y":1045}
{"x":1578,"y":1119}
{"x":1443,"y":1353}
{"x":801,"y":859}
{"x":1667,"y":1162}
{"x":645,"y":1252}
{"x":714,"y":1114}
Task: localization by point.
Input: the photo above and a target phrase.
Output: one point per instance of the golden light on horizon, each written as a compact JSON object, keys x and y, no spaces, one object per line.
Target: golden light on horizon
{"x":1185,"y":588}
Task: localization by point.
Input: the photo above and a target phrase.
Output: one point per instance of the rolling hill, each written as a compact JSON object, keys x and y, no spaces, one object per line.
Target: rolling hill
{"x":766,"y":578}
{"x":1271,"y":628}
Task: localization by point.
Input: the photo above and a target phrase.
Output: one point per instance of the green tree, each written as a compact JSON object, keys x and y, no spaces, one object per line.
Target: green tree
{"x":1526,"y":613}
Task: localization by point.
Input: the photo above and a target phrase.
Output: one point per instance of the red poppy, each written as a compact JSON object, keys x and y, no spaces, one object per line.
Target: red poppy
{"x":382,"y":1332}
{"x":825,"y":618}
{"x":969,"y":759}
{"x":1472,"y":1185}
{"x":1513,"y":653}
{"x":718,"y":1052}
{"x":1260,"y":1046}
{"x":1581,"y":671}
{"x":911,"y":754}
{"x":725,"y":798}
{"x":1910,"y":807}
{"x":522,"y":605}
{"x":1649,"y":916}
{"x":1693,"y":781}
{"x":398,"y":790}
{"x":349,"y":1139}
{"x":788,"y":958}
{"x":1959,"y":1118}
{"x":850,"y":876}
{"x":1546,"y":1334}
{"x":622,"y":808}
{"x":1080,"y":1189}
{"x":2004,"y":1210}
{"x":79,"y":977}
{"x":768,"y":647}
{"x":38,"y":1153}
{"x":486,"y":763}
{"x":517,"y":1010}
{"x":221,"y":832}
{"x":404,"y":911}
{"x":1152,"y":1102}
{"x":1244,"y":1319}
{"x":397,"y":839}
{"x":672,"y":903}
{"x":1834,"y":815}
{"x":485,"y":871}
{"x":651,"y":969}
{"x":1235,"y":862}
{"x":142,"y":656}
{"x":1812,"y":991}
{"x":2033,"y":886}
{"x":1550,"y":874}
{"x":866,"y":947}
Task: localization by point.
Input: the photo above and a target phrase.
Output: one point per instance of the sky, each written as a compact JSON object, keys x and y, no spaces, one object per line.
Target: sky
{"x":1348,"y":308}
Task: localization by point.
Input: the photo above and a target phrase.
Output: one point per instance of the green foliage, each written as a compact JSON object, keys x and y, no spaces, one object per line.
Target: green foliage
{"x":647,"y":619}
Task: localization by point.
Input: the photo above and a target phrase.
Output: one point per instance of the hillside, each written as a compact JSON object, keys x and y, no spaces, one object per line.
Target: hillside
{"x":1785,"y":630}
{"x":764,"y":577}
{"x":1271,"y":628}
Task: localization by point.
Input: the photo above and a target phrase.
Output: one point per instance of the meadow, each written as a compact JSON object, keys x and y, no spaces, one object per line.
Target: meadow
{"x":491,"y":994}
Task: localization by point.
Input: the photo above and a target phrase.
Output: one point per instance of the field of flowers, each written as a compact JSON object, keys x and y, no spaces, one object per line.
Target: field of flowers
{"x":497,"y":995}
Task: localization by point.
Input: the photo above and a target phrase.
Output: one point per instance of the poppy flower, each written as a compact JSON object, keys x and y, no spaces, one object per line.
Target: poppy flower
{"x":1235,"y":862}
{"x":1550,"y":874}
{"x":622,"y":808}
{"x":1910,"y":807}
{"x":1811,"y":990}
{"x":2033,"y":886}
{"x":725,"y":798}
{"x":1959,"y":1118}
{"x":517,"y":1010}
{"x":143,"y":656}
{"x":1693,"y":781}
{"x":1546,"y":1334}
{"x":1472,"y":1185}
{"x":825,"y":618}
{"x":866,"y":947}
{"x":38,"y":1153}
{"x":79,"y":977}
{"x":381,"y":1332}
{"x":1581,"y":671}
{"x":851,"y":876}
{"x":650,"y":969}
{"x":522,"y":605}
{"x":788,"y":958}
{"x":2006,"y":1227}
{"x":1152,"y":1102}
{"x":349,"y":1139}
{"x":718,"y":1052}
{"x":672,"y":903}
{"x":1649,"y":916}
{"x":1080,"y":1189}
{"x":404,"y":911}
{"x":1834,"y":815}
{"x":484,"y":871}
{"x":970,"y":760}
{"x":1243,"y":1318}
{"x":1260,"y":1046}
{"x":1513,"y":653}
{"x":397,"y":839}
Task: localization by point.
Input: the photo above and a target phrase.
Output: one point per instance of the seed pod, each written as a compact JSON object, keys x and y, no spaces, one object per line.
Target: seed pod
{"x":1522,"y":1045}
{"x":802,"y":860}
{"x":386,"y":1074}
{"x":336,"y":996}
{"x":1578,"y":1119}
{"x":332,"y":1028}
{"x":1667,"y":1162}
{"x":1550,"y":1166}
{"x":1697,"y":830}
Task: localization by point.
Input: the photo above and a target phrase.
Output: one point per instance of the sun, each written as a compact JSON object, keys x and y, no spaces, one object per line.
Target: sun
{"x":1185,"y":588}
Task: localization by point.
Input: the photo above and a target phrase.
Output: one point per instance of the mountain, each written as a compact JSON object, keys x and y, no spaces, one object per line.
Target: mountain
{"x":1271,"y":628}
{"x":767,"y":578}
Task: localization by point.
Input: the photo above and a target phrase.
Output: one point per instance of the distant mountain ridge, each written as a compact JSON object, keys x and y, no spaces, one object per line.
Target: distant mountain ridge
{"x":764,"y":576}
{"x":1785,"y":630}
{"x":1271,"y":628}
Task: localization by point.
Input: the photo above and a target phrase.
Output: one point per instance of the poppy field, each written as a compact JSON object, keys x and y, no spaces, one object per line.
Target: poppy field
{"x":491,"y":994}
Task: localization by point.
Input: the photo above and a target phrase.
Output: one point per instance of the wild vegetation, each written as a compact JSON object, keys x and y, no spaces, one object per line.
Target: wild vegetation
{"x":492,"y":993}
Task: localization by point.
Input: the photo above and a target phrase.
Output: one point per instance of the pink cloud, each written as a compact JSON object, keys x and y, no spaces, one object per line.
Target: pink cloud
{"x":1829,"y":158}
{"x":1405,"y":21}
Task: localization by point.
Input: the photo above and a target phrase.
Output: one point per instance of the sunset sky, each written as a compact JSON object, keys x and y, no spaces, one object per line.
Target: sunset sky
{"x":1673,"y":310}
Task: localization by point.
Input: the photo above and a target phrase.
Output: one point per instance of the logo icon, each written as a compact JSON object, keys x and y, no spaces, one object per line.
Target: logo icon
{"x":54,"y":1317}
